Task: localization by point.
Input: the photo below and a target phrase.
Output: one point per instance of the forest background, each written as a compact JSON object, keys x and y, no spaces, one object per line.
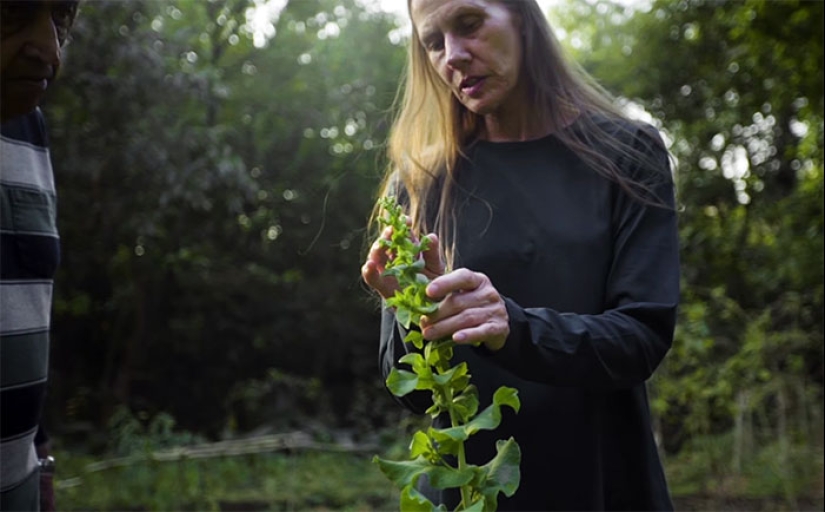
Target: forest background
{"x":215,"y":181}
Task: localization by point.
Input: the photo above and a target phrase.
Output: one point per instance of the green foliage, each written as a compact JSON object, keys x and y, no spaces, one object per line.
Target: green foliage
{"x":136,"y":436}
{"x":143,"y":468}
{"x":432,"y":450}
{"x":303,"y":481}
{"x":211,"y":207}
{"x":706,"y":468}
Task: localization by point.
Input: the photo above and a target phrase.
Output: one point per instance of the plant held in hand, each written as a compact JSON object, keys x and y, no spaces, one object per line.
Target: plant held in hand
{"x":439,"y":453}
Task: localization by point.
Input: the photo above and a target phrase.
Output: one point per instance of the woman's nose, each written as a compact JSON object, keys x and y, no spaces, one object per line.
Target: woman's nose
{"x":457,"y":52}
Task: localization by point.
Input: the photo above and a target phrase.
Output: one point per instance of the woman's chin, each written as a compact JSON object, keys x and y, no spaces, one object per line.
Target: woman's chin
{"x":479,"y":107}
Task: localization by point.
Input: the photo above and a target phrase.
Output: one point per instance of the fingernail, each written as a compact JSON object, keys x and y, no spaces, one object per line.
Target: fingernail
{"x":459,"y":336}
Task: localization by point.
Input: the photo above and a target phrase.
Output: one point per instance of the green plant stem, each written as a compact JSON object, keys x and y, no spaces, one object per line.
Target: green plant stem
{"x":462,"y":458}
{"x":465,"y":489}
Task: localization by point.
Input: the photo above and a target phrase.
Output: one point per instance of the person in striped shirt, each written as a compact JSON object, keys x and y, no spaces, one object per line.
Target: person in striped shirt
{"x":32,"y":34}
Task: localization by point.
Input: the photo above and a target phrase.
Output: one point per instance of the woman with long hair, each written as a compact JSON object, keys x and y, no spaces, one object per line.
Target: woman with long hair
{"x":554,"y":254}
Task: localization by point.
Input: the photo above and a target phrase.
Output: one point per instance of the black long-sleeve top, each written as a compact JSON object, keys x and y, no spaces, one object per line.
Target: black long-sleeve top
{"x":590,"y":278}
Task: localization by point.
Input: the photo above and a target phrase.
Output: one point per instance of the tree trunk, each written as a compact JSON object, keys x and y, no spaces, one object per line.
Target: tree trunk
{"x":739,"y":434}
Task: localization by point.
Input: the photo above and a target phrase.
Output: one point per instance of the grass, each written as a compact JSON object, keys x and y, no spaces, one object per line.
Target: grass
{"x":701,"y":478}
{"x":309,"y":481}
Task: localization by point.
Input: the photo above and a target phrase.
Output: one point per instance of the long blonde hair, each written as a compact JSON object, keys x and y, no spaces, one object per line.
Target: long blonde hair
{"x":432,"y":128}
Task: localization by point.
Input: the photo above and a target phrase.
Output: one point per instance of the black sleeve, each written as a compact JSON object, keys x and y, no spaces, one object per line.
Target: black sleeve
{"x":622,"y":346}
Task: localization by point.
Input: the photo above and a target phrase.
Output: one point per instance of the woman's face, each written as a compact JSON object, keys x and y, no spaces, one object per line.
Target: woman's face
{"x":475,"y":47}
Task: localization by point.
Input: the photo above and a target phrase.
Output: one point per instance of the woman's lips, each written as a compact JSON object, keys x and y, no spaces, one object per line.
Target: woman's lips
{"x":472,"y":86}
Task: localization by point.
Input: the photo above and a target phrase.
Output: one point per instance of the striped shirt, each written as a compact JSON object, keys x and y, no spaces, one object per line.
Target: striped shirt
{"x":29,"y":254}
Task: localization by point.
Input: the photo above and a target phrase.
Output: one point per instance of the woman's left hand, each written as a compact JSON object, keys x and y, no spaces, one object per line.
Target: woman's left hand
{"x":471,"y":310}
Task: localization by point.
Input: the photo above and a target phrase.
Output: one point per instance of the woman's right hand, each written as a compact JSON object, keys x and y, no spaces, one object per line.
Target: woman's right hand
{"x":373,"y":269}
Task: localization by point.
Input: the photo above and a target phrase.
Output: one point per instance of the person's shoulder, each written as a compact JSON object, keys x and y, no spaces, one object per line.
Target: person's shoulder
{"x":29,"y":129}
{"x":636,"y":147}
{"x":624,"y":130}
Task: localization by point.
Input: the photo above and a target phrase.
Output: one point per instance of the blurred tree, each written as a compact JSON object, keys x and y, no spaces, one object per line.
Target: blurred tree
{"x":213,"y":196}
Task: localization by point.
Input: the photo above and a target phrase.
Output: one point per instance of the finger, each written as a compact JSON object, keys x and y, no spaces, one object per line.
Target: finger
{"x":384,"y":237}
{"x":433,"y":264}
{"x":372,"y":274}
{"x":484,"y":298}
{"x":457,"y":302}
{"x":457,"y":280}
{"x":446,"y":326}
{"x":374,"y":266}
{"x":492,"y":334}
{"x":378,"y":252}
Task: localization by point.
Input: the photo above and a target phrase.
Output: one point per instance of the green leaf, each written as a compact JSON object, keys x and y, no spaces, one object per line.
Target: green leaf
{"x":433,"y":410}
{"x":445,"y":348}
{"x":478,"y":506}
{"x":403,"y":315}
{"x":425,"y":378}
{"x":445,"y":477}
{"x":442,"y":379}
{"x":446,"y":378}
{"x":427,"y":308}
{"x":503,"y":472}
{"x":413,"y":359}
{"x":490,"y":417}
{"x":461,"y":371}
{"x":401,"y":382}
{"x":429,"y":354}
{"x":447,"y":445}
{"x":421,"y":445}
{"x":420,"y":368}
{"x":414,"y":501}
{"x":416,"y":338}
{"x":507,"y":396}
{"x":423,"y":245}
{"x":466,"y":404}
{"x":459,"y":433}
{"x":403,"y":473}
{"x":459,"y":384}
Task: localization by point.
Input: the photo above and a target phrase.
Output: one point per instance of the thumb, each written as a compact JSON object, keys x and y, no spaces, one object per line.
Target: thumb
{"x":433,"y":263}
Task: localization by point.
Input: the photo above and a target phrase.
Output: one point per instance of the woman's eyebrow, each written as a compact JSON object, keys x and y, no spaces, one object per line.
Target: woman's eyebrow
{"x":447,"y":18}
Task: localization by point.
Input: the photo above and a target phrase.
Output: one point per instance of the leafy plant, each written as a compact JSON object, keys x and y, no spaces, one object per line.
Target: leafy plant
{"x":439,"y":453}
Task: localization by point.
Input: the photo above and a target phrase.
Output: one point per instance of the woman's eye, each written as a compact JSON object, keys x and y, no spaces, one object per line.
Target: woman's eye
{"x":434,"y":44}
{"x":469,"y":24}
